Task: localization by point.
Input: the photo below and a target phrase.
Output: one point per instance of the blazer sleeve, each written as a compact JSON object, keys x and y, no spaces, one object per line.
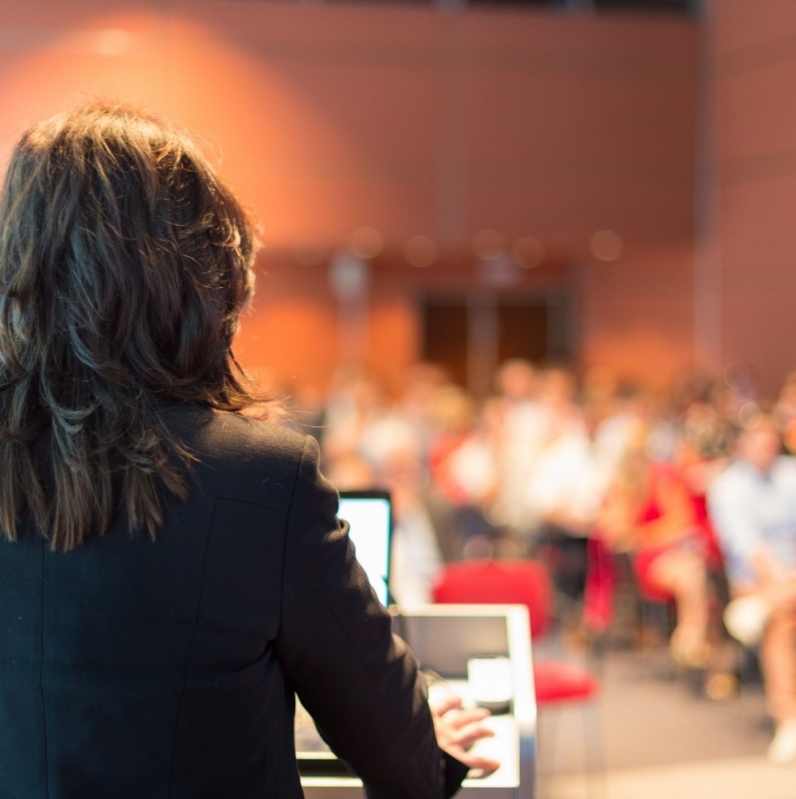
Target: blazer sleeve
{"x":359,"y":682}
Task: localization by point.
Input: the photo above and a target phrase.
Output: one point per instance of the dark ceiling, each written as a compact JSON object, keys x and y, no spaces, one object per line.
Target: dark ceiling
{"x":651,"y":6}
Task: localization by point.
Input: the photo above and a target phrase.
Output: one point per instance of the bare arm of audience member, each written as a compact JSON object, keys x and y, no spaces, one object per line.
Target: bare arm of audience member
{"x":615,"y":521}
{"x":774,"y":583}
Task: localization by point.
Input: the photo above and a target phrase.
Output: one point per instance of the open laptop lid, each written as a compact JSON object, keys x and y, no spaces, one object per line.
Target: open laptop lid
{"x":369,"y":515}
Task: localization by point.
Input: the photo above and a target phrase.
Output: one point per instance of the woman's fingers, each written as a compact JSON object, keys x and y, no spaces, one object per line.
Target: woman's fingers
{"x":458,"y":730}
{"x":465,"y":717}
{"x":467,"y":736}
{"x":447,"y":703}
{"x":479,"y":766}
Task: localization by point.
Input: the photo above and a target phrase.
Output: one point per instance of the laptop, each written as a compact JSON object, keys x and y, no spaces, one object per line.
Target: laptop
{"x":369,"y":515}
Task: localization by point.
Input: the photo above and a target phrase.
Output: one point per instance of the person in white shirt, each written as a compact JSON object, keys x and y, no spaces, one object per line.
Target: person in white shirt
{"x":519,"y":424}
{"x":753,"y":506}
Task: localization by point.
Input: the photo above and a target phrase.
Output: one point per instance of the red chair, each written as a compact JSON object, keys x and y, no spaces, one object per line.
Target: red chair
{"x":518,"y":582}
{"x":526,"y":582}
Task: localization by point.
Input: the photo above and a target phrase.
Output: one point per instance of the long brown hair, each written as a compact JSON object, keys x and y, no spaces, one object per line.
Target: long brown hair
{"x":124,"y":263}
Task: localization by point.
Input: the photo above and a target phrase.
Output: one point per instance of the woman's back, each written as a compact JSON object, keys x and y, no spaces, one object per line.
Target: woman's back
{"x":126,"y":661}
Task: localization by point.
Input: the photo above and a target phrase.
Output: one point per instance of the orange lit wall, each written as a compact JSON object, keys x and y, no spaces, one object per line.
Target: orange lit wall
{"x":754,"y":60}
{"x":327,"y":118}
{"x":636,"y":315}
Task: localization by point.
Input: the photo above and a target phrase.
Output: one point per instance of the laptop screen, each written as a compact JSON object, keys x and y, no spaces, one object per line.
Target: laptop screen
{"x":368,"y":514}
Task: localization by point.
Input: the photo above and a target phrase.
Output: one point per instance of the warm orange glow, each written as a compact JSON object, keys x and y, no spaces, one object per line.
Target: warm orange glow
{"x":242,"y":111}
{"x":330,"y":119}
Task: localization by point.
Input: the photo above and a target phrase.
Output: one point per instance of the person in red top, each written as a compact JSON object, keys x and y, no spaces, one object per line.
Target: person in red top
{"x":649,"y":512}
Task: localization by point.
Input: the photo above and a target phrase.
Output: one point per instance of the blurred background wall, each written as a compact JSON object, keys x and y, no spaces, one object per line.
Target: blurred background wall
{"x":492,"y":175}
{"x":753,"y":77}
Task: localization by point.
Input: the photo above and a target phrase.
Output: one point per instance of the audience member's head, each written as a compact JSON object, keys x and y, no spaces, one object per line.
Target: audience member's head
{"x":785,"y":408}
{"x":760,"y":446}
{"x":789,"y":436}
{"x":558,"y":387}
{"x":704,"y":433}
{"x":599,"y":385}
{"x":454,"y":410}
{"x":420,"y":383}
{"x":515,"y":380}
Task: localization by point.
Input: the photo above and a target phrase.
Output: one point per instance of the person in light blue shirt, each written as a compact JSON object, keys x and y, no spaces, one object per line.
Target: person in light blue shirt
{"x":753,"y":508}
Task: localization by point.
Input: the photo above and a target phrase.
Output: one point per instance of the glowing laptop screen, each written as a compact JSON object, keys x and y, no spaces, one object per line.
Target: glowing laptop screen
{"x":369,"y":518}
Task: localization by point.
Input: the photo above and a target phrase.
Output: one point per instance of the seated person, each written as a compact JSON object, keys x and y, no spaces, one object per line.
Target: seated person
{"x":648,"y":512}
{"x":753,"y":505}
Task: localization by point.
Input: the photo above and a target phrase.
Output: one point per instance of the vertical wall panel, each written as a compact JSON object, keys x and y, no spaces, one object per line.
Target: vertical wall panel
{"x":755,"y":59}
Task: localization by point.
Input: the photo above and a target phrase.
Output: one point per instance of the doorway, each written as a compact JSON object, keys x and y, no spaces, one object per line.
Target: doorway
{"x":470,"y":335}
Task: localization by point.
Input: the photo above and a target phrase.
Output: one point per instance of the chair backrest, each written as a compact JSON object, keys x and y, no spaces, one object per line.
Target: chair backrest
{"x":498,"y":582}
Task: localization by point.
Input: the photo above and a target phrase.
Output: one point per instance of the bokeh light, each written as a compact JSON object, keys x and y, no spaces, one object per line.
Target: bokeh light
{"x":367,"y":242}
{"x":420,"y":251}
{"x":528,"y":251}
{"x":488,"y":244}
{"x":606,"y":245}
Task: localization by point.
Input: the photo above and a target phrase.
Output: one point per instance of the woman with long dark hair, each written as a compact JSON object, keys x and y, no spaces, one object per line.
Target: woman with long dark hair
{"x":170,"y":570}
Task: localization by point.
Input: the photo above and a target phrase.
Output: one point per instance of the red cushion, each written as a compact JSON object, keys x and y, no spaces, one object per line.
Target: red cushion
{"x":556,"y":681}
{"x":499,"y":582}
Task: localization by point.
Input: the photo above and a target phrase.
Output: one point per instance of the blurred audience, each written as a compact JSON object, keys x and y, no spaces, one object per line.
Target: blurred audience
{"x":753,"y":504}
{"x":587,"y":475}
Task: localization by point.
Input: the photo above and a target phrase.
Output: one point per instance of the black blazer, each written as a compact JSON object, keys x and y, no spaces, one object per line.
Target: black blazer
{"x":139,"y":670}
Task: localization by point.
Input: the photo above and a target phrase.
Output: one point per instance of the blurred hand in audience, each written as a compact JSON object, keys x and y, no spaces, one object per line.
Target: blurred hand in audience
{"x":459,"y":729}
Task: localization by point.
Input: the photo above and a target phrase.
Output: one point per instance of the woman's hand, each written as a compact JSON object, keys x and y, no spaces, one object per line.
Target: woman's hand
{"x":457,"y":730}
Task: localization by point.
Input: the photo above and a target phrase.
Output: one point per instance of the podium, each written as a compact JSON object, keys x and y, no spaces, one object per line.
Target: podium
{"x":444,"y":638}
